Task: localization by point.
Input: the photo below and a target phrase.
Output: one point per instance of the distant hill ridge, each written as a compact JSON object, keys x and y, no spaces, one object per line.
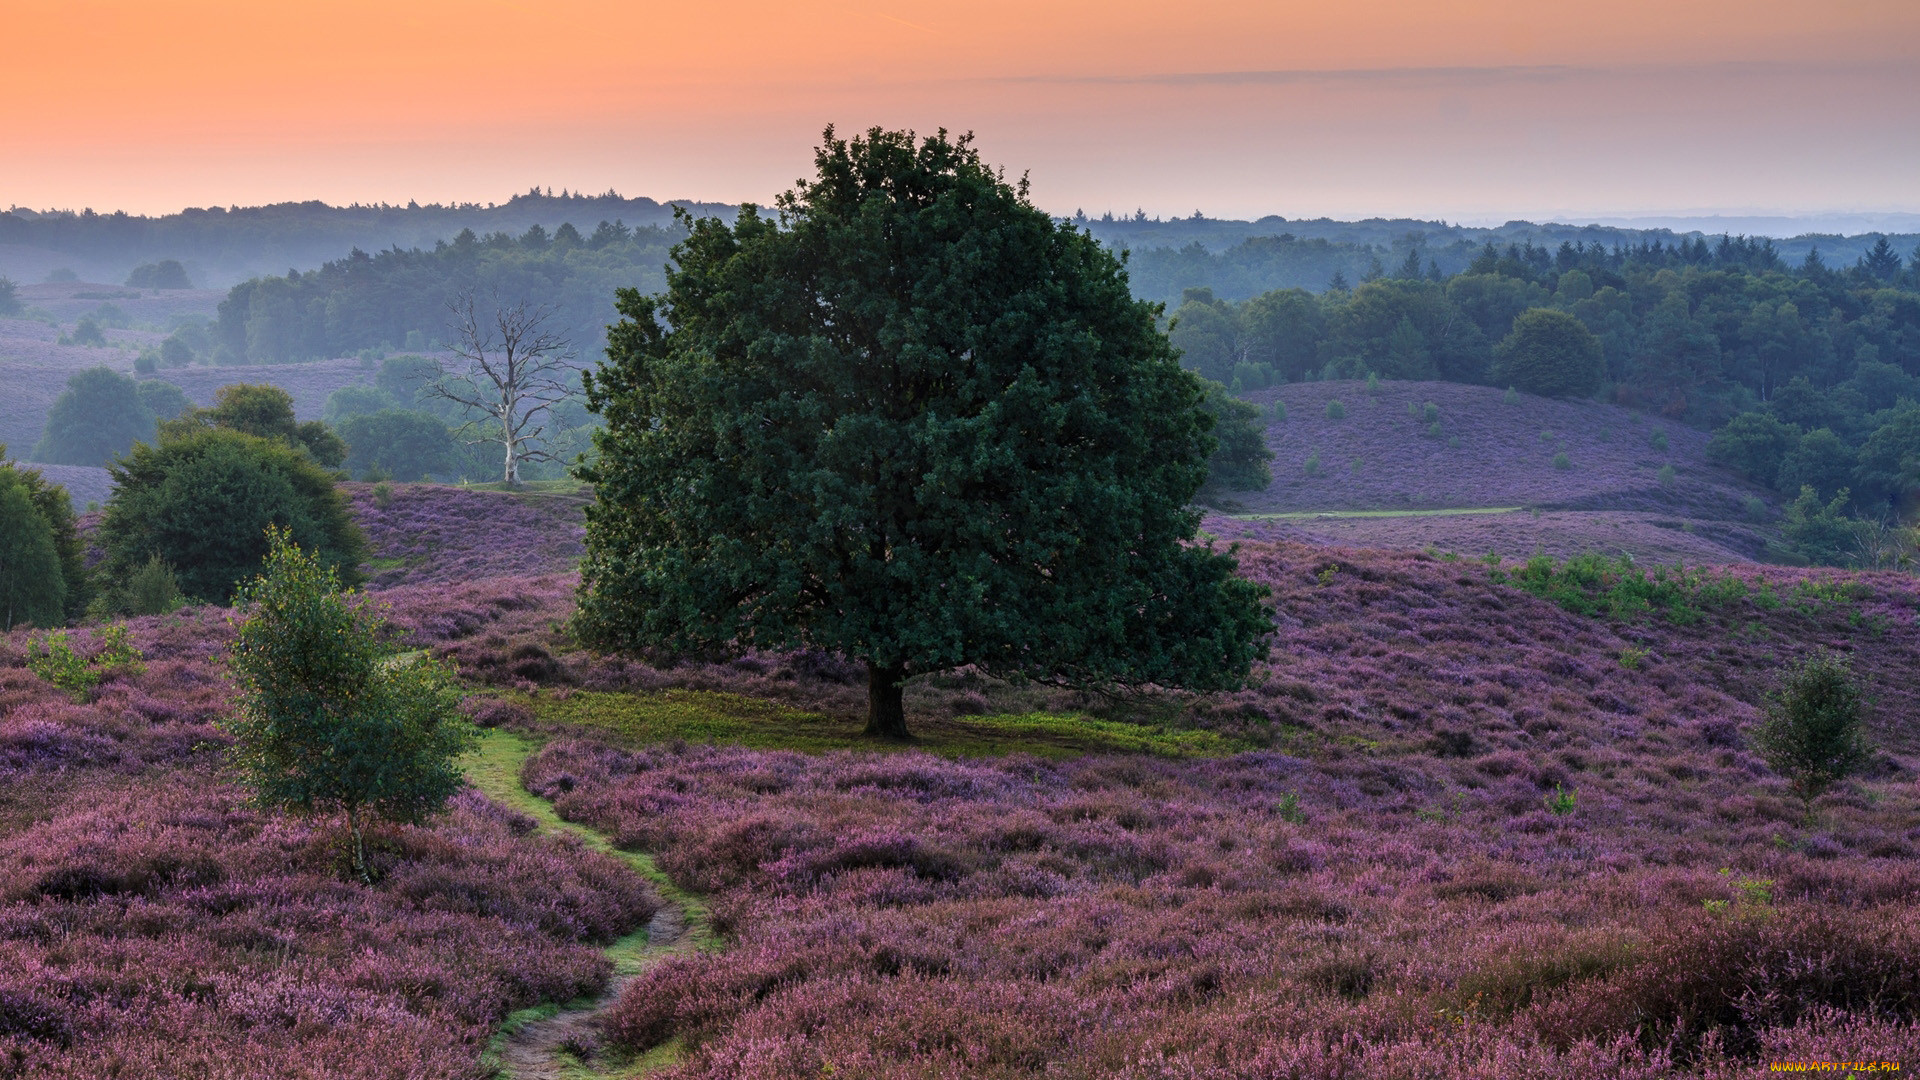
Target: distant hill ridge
{"x":223,"y":246}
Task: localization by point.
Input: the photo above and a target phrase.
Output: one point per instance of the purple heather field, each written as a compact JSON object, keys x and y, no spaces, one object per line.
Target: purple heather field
{"x":1452,"y":831}
{"x":1379,"y":886}
{"x":1504,"y":458}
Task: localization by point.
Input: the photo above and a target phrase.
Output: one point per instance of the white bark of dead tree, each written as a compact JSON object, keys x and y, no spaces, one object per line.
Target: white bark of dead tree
{"x":508,"y":365}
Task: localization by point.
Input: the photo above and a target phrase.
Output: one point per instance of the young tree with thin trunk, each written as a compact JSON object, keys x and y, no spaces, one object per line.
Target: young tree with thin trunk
{"x":329,"y":718}
{"x":915,"y":422}
{"x":511,"y":367}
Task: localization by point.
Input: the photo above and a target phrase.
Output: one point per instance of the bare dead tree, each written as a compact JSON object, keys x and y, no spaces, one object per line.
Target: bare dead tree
{"x":508,"y":365}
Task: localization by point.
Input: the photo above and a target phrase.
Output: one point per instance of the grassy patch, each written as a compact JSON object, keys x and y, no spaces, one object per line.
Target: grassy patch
{"x":567,"y":486}
{"x":704,"y":716}
{"x":1304,"y":515}
{"x":494,"y":768}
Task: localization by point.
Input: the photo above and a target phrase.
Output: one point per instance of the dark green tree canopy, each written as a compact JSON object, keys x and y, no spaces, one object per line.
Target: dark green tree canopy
{"x":100,"y":414}
{"x":1239,"y":463}
{"x":202,"y":502}
{"x":265,"y":411}
{"x":401,"y":443}
{"x":916,"y":422}
{"x":1550,"y":353}
{"x":32,"y":587}
{"x":55,"y":507}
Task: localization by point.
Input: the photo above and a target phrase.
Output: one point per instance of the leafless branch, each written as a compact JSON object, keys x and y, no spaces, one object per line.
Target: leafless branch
{"x":510,"y":366}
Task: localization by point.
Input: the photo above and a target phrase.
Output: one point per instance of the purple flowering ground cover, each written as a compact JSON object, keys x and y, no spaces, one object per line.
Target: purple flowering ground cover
{"x":1481,"y":836}
{"x":1462,"y":832}
{"x":152,"y":924}
{"x":437,"y":534}
{"x":1504,"y":457}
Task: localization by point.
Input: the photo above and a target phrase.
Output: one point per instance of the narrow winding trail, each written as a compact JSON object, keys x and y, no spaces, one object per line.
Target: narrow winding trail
{"x":541,"y":1043}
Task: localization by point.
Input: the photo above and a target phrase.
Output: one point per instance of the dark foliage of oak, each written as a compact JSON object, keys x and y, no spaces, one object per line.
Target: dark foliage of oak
{"x":915,"y":422}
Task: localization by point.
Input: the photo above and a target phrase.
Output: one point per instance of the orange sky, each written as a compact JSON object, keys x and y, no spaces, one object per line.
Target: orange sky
{"x":1389,"y":106}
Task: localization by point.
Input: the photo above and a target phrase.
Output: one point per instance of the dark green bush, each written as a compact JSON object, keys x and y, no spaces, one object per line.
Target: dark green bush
{"x":100,"y":414}
{"x":202,"y":502}
{"x":1815,"y":730}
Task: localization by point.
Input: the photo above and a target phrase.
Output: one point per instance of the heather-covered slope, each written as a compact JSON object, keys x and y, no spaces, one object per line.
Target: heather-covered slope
{"x":154,"y":924}
{"x":435,"y":533}
{"x":1451,"y":830}
{"x":1607,"y":494}
{"x":1489,"y":838}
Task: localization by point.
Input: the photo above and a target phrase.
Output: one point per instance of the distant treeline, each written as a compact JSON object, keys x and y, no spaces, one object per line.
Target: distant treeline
{"x":399,"y":299}
{"x":220,"y":245}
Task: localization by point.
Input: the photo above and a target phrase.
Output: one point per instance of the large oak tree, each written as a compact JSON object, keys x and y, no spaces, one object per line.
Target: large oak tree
{"x":914,"y":421}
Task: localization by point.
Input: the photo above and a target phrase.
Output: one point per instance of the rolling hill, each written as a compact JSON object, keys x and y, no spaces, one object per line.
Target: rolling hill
{"x":1470,"y":469}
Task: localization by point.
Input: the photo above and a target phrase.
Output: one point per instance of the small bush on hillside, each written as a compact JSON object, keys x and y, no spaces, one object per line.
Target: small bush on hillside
{"x":1430,"y":412}
{"x":1666,"y":476}
{"x":1313,"y":464}
{"x":165,"y":274}
{"x":9,"y":297}
{"x":1814,"y":733}
{"x":54,"y":659}
{"x":1562,"y":462}
{"x":328,"y":720}
{"x":1357,"y":466}
{"x":1512,"y":396}
{"x":1279,"y":410}
{"x":1453,"y":442}
{"x":1373,"y":384}
{"x":85,"y":332}
{"x":1336,"y":410}
{"x":152,"y":589}
{"x":1821,"y":534}
{"x":1659,"y":440}
{"x":146,"y":363}
{"x":1756,"y":508}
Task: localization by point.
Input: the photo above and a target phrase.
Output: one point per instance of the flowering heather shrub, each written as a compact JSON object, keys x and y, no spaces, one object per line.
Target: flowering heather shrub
{"x":910,"y":916}
{"x":152,"y":923}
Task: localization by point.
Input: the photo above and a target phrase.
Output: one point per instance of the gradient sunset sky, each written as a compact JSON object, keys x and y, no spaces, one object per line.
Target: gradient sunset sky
{"x":1478,"y":109}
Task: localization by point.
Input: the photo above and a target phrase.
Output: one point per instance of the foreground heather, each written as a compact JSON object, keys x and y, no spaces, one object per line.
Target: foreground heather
{"x":152,"y":924}
{"x":1255,"y":916}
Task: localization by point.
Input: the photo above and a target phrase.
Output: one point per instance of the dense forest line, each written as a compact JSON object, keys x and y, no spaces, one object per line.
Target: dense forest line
{"x":399,"y":298}
{"x":223,"y":245}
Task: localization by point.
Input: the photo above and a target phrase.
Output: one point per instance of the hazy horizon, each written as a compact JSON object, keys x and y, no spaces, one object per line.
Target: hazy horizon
{"x":1475,"y":112}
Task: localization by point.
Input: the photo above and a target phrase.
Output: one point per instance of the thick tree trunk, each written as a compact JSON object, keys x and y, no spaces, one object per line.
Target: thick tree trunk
{"x":886,"y":711}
